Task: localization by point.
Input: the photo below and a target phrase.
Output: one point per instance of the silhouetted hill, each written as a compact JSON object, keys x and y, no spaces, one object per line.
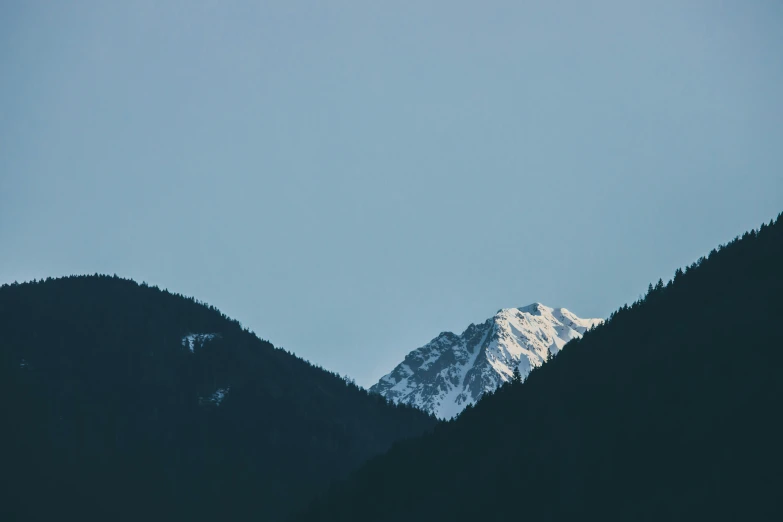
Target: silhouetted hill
{"x":109,"y":414}
{"x":668,"y":411}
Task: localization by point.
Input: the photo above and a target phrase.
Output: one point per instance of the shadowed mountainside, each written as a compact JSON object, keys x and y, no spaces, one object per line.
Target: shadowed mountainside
{"x":670,"y":410}
{"x":124,"y":402}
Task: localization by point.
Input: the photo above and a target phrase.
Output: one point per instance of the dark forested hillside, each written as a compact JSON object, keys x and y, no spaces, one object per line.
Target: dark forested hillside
{"x":109,"y":415}
{"x":671,"y":410}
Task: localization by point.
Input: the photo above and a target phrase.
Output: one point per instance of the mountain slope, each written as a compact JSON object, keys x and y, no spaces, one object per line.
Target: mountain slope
{"x":126,"y":402}
{"x":670,"y":410}
{"x":452,"y":371}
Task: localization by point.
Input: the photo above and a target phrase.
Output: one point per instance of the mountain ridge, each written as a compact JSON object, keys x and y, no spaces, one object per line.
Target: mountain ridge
{"x":129,"y":401}
{"x":668,"y":410}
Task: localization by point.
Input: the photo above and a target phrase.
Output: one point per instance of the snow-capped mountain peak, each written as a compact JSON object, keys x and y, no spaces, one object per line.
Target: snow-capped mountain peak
{"x":452,"y":371}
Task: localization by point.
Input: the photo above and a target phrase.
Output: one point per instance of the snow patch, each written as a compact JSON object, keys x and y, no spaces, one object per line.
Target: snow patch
{"x":190,"y":341}
{"x":216,"y":398}
{"x":219,"y":395}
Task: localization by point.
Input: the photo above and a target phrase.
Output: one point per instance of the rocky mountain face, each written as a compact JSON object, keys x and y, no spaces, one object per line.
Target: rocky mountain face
{"x":452,"y":371}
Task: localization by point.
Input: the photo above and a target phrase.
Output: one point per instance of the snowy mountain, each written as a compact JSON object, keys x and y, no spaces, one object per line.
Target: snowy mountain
{"x":452,"y":371}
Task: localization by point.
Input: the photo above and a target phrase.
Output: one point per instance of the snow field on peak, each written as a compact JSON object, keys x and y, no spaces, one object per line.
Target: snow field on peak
{"x":452,"y":371}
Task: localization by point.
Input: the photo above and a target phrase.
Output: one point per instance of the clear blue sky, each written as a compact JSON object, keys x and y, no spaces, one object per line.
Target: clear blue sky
{"x":348,"y":179}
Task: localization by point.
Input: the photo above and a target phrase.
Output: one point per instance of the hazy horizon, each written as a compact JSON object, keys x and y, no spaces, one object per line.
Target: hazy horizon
{"x":349,"y":180}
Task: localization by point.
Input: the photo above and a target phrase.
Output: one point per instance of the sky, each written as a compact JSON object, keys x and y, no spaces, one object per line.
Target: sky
{"x":349,"y":179}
